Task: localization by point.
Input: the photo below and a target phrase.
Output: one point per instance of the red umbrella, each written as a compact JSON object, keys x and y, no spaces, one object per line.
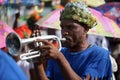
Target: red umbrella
{"x":4,"y":30}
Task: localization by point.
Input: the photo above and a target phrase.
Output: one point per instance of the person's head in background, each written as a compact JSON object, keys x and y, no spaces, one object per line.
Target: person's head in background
{"x":33,"y":26}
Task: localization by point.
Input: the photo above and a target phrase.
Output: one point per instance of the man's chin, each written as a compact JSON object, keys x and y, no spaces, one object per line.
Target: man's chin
{"x":66,"y":44}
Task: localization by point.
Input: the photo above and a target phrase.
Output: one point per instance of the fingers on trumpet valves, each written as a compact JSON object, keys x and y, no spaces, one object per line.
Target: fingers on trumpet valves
{"x":43,"y":41}
{"x":44,"y":54}
{"x":37,"y":44}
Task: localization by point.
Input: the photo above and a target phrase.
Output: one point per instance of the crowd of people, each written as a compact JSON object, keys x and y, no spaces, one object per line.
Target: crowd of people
{"x":82,"y":57}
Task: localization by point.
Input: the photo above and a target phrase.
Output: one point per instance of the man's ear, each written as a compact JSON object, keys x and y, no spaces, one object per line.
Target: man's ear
{"x":86,"y":30}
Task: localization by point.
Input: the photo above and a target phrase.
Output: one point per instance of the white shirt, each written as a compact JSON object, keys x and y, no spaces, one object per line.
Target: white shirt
{"x":26,"y":66}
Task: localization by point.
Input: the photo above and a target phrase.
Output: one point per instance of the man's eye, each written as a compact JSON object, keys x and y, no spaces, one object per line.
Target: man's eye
{"x":69,"y":27}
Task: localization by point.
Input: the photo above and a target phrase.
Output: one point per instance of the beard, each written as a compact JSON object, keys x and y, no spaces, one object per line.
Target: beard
{"x":67,"y":44}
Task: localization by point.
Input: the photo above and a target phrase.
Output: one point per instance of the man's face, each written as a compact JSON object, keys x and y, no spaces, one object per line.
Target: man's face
{"x":73,"y":32}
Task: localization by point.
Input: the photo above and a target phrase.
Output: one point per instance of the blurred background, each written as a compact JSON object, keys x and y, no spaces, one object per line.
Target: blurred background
{"x":25,"y":16}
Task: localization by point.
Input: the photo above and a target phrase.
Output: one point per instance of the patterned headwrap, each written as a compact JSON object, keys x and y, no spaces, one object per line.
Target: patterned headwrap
{"x":78,"y":11}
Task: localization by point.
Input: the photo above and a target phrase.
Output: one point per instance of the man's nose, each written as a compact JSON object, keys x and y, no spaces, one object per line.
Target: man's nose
{"x":65,"y":32}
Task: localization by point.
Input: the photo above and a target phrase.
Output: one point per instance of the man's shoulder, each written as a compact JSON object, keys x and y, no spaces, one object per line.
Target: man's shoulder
{"x":100,"y":52}
{"x":98,"y":48}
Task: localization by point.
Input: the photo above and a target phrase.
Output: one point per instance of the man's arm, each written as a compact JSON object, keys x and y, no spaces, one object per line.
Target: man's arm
{"x":41,"y":72}
{"x":66,"y":69}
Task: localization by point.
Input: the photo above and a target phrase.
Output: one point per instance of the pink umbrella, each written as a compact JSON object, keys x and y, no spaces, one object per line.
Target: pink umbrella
{"x":4,"y":30}
{"x":111,"y":10}
{"x":2,"y":1}
{"x":105,"y":26}
{"x":51,"y":20}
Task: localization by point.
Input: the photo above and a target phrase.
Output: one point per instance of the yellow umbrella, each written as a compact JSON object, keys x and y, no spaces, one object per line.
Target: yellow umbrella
{"x":94,"y":3}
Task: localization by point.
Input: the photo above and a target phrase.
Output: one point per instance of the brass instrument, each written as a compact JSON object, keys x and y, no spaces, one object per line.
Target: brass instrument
{"x":15,"y":44}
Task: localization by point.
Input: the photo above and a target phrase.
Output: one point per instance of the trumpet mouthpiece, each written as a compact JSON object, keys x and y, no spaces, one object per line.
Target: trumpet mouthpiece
{"x":63,"y":39}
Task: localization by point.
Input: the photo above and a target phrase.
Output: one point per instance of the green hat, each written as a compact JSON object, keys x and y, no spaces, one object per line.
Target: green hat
{"x":78,"y":11}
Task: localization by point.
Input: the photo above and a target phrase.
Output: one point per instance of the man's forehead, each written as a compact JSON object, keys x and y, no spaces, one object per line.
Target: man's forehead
{"x":66,"y":22}
{"x":70,"y":22}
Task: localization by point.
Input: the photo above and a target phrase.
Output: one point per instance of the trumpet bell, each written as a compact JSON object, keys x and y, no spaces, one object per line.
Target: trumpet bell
{"x":13,"y":43}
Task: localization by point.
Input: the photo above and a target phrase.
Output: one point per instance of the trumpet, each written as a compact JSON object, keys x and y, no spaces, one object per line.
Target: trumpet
{"x":14,"y":45}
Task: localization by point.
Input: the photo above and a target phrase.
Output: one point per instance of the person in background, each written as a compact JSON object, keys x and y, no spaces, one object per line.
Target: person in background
{"x":114,"y":67}
{"x":77,"y":60}
{"x":104,"y":43}
{"x":114,"y":47}
{"x":17,"y":16}
{"x":18,"y":21}
{"x":56,"y":4}
{"x":9,"y":70}
{"x":27,"y":67}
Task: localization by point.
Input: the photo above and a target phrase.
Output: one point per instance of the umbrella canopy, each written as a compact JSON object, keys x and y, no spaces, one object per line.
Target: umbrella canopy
{"x":4,"y":30}
{"x":51,"y":20}
{"x":111,"y":10}
{"x":25,"y":2}
{"x":94,"y":3}
{"x":2,"y":1}
{"x":104,"y":27}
